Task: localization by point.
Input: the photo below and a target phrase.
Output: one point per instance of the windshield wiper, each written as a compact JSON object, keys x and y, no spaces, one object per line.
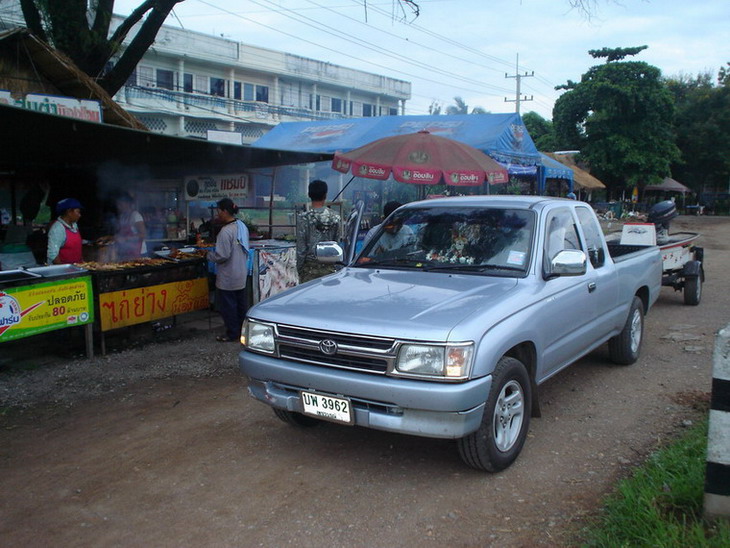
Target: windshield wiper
{"x":472,"y":267}
{"x":393,"y":261}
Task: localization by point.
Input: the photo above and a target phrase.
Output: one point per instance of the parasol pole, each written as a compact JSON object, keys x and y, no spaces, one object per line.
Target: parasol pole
{"x":343,"y":189}
{"x":271,"y":204}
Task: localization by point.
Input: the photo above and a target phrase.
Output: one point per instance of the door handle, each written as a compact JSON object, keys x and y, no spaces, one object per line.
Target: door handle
{"x":591,"y":287}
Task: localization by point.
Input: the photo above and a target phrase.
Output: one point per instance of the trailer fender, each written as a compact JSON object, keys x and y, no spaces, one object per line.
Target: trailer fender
{"x":697,"y":252}
{"x":692,"y":269}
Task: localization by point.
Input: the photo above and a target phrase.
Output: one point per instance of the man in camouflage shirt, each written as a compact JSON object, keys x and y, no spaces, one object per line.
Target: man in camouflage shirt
{"x":319,"y":224}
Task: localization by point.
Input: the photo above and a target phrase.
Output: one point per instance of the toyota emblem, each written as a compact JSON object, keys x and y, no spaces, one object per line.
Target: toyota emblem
{"x":328,"y":347}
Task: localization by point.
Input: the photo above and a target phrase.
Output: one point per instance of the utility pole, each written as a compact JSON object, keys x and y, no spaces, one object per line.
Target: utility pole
{"x":518,"y":79}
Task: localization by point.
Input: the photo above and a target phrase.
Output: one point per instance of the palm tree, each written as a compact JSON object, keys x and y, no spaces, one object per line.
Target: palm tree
{"x":460,"y":107}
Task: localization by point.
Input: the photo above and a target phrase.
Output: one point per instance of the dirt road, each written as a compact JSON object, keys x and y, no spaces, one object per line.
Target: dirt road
{"x":191,"y":461}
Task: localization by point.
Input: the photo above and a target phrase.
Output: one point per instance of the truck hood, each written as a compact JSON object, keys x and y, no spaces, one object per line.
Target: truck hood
{"x":389,"y":303}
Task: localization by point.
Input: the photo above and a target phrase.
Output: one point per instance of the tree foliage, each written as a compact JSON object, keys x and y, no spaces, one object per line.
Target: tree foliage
{"x":620,"y":116}
{"x":82,"y":30}
{"x":541,"y":131}
{"x":460,"y":107}
{"x":703,"y":130}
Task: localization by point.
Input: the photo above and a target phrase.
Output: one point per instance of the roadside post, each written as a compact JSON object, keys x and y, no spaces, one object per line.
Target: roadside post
{"x":717,"y":475}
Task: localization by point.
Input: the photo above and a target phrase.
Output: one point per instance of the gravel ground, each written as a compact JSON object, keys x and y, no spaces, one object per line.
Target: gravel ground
{"x":157,"y":444}
{"x":36,"y":372}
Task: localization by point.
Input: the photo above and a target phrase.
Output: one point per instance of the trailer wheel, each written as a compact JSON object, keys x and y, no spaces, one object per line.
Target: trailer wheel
{"x":503,"y":430}
{"x":624,"y":348}
{"x":692,"y":290}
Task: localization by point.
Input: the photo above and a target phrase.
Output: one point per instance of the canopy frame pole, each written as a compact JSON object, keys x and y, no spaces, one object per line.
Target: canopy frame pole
{"x":343,"y":189}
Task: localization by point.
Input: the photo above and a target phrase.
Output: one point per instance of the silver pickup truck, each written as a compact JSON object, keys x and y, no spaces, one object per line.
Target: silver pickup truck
{"x":448,"y":319}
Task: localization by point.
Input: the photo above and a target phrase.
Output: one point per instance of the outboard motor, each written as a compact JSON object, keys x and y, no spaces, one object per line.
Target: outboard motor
{"x":661,"y":214}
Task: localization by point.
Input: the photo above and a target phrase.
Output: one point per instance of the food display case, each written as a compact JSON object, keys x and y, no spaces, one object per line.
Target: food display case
{"x":47,"y":298}
{"x":274,"y":267}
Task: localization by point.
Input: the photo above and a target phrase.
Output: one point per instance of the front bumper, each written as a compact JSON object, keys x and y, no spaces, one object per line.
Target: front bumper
{"x":421,"y":408}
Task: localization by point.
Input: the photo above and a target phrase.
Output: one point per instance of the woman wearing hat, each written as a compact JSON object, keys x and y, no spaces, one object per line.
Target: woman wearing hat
{"x":64,"y":238}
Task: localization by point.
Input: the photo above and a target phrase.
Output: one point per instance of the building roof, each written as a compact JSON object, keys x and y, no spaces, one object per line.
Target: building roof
{"x":581,"y":177}
{"x":669,"y":185}
{"x":62,"y":74}
{"x":40,"y":141}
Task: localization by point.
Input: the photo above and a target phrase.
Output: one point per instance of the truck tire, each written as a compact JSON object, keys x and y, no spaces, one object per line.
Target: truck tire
{"x":295,"y":419}
{"x":692,"y":290}
{"x":625,"y":347}
{"x":503,"y":430}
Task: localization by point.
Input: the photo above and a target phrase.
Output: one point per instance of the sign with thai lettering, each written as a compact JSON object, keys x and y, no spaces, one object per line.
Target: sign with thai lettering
{"x":146,"y":304}
{"x":81,"y":109}
{"x":214,"y":187}
{"x":41,"y":307}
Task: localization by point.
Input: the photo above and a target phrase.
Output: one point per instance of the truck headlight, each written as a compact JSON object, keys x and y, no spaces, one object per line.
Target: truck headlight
{"x":258,"y":336}
{"x":449,"y":361}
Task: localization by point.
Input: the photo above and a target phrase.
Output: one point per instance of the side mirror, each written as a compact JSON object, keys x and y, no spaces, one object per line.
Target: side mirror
{"x":329,"y":252}
{"x":568,"y":262}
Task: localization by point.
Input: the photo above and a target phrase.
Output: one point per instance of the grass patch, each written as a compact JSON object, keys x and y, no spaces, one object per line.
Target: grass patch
{"x":661,"y":504}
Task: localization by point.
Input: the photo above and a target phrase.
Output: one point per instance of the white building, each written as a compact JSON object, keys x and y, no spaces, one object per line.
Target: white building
{"x":189,"y":83}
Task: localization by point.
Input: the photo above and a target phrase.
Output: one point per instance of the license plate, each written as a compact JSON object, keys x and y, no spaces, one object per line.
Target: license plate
{"x":327,"y":407}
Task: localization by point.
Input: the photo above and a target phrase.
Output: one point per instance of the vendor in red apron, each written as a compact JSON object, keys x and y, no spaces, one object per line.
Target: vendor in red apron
{"x":64,"y":238}
{"x":131,"y":231}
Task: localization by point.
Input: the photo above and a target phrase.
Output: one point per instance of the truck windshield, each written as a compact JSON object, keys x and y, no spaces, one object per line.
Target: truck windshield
{"x":465,"y":239}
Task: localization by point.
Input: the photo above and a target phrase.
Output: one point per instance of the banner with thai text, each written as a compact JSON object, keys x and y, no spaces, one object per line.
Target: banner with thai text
{"x":214,"y":187}
{"x":81,"y":109}
{"x":146,"y":304}
{"x":41,"y":307}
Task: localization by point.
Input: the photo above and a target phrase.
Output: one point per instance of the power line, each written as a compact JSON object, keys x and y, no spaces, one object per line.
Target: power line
{"x":389,"y":68}
{"x":368,"y":45}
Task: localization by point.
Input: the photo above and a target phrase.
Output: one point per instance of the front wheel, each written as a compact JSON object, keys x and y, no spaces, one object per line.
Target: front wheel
{"x":624,"y":348}
{"x":295,"y":419}
{"x":692,"y":290}
{"x":499,"y":439}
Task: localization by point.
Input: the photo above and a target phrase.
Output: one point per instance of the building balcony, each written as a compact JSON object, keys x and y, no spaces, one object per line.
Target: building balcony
{"x":138,"y":98}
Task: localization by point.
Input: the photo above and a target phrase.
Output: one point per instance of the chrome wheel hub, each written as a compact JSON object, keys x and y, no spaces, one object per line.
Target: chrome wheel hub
{"x":508,"y":415}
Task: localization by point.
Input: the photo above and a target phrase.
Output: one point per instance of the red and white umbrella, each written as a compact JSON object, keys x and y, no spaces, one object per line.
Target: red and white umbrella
{"x":423,"y":159}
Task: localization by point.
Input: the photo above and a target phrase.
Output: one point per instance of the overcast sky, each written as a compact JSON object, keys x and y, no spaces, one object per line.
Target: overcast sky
{"x":465,"y":47}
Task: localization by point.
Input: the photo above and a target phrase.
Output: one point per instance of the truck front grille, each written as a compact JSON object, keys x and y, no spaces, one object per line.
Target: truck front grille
{"x":354,"y":352}
{"x":373,"y":343}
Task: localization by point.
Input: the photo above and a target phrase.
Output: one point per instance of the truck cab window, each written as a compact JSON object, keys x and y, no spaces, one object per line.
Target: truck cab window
{"x":561,"y":233}
{"x":593,"y":236}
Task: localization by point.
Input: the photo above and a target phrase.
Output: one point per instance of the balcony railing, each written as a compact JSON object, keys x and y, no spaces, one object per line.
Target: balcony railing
{"x":222,"y":105}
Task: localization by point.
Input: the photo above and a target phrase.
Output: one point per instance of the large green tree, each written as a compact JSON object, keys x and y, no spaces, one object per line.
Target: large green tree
{"x":620,"y":116}
{"x":82,"y":30}
{"x":703,"y":130}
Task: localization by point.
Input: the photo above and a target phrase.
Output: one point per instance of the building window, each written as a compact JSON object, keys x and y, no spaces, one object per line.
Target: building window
{"x":356,"y":108}
{"x":368,"y":110}
{"x":165,"y":79}
{"x":218,"y":87}
{"x":145,"y":76}
{"x":237,"y":90}
{"x":323,"y":103}
{"x":262,"y":94}
{"x":248,"y":94}
{"x":201,"y":84}
{"x":336,"y":104}
{"x":188,"y":83}
{"x":392,"y":111}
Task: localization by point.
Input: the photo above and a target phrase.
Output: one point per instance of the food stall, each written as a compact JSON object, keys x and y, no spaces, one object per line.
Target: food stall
{"x":47,"y":298}
{"x":147,"y":289}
